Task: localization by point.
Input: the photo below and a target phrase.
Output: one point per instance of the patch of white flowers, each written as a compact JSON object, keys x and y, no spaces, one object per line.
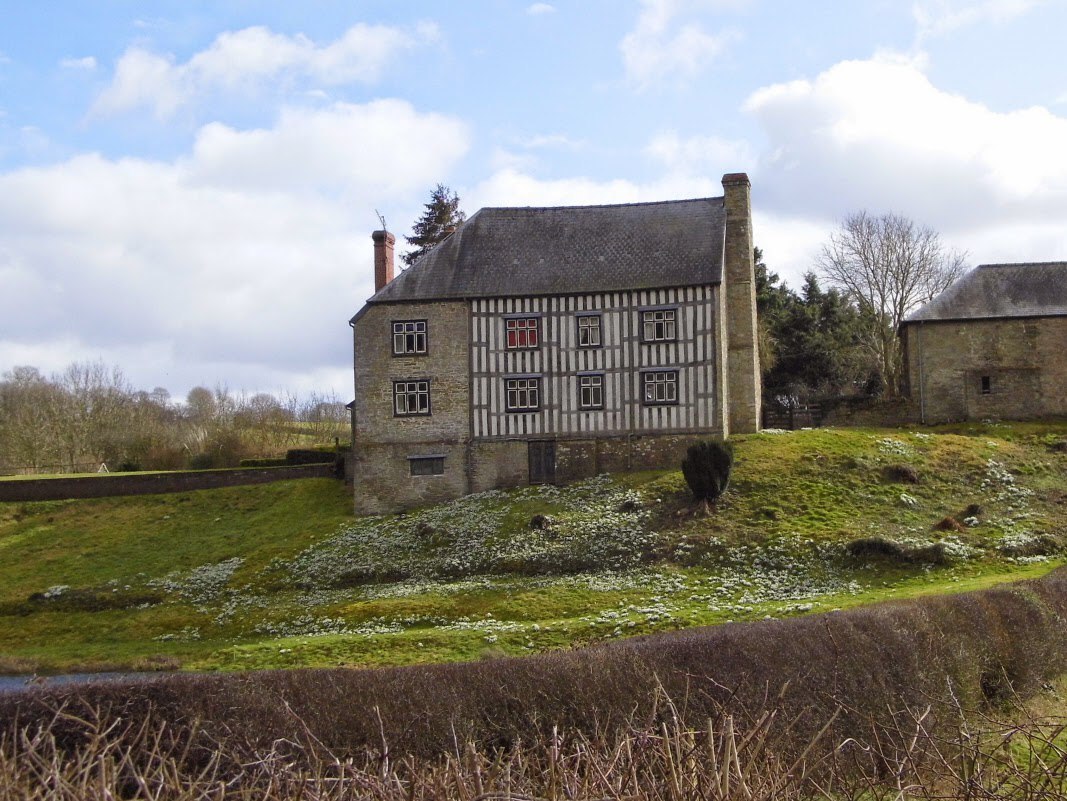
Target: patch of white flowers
{"x":201,"y":584}
{"x":593,"y":524}
{"x":894,"y":447}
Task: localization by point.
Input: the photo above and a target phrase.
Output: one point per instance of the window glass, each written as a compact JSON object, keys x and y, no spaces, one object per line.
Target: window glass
{"x":589,"y":331}
{"x":591,"y":392}
{"x":659,"y":325}
{"x":409,"y":337}
{"x":660,"y":387}
{"x":522,"y":394}
{"x":427,"y":465}
{"x":522,"y":332}
{"x":411,"y":397}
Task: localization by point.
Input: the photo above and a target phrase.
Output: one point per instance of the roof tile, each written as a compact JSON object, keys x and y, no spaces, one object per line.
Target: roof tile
{"x":570,"y":249}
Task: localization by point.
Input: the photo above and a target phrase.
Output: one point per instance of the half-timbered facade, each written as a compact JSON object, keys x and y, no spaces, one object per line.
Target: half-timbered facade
{"x":542,"y":345}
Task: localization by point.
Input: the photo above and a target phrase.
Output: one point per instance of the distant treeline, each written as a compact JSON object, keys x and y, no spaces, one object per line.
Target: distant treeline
{"x":89,"y":415}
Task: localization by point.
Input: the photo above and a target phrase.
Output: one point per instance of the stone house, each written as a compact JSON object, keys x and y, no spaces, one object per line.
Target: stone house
{"x":992,"y":345}
{"x":541,"y":345}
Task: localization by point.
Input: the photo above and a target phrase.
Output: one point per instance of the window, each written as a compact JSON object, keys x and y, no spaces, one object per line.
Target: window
{"x":987,"y":385}
{"x":660,"y":387}
{"x":409,"y":337}
{"x":522,"y":332}
{"x":591,"y":391}
{"x":659,"y":325}
{"x":411,"y":398}
{"x":523,"y":394}
{"x":589,"y":331}
{"x":427,"y":465}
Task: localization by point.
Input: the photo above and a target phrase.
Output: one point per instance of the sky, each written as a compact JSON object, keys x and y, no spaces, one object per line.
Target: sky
{"x":188,"y":187}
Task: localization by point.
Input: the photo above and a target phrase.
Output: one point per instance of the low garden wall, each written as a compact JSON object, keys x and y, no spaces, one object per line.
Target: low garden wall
{"x":106,"y":486}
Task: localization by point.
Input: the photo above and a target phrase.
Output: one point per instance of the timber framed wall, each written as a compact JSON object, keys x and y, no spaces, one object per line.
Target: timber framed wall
{"x":622,"y":356}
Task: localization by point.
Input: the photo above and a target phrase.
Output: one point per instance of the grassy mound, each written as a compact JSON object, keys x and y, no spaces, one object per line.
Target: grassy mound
{"x":282,"y":575}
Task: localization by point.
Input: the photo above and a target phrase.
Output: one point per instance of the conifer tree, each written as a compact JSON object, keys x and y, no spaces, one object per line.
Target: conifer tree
{"x":440,"y":218}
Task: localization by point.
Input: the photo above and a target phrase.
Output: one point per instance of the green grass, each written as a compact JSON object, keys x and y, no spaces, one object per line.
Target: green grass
{"x":282,"y":575}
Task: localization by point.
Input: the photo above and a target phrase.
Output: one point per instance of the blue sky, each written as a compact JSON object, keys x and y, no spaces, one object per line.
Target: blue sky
{"x":187,"y":189}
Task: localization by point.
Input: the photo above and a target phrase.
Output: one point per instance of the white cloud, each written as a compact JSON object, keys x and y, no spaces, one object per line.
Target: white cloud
{"x":512,"y":187}
{"x":705,"y":154}
{"x":879,"y":135}
{"x":537,"y":9}
{"x":540,"y":141}
{"x":379,"y":147}
{"x":938,"y":17}
{"x":660,"y":47}
{"x":246,"y":60}
{"x":214,"y":264}
{"x":88,"y":63}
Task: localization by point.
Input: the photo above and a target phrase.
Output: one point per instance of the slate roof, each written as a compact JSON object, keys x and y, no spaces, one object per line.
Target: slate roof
{"x":570,"y":249}
{"x":1001,"y":290}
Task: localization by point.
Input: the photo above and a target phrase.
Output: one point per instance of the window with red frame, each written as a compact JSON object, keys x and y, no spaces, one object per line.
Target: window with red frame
{"x":522,"y":332}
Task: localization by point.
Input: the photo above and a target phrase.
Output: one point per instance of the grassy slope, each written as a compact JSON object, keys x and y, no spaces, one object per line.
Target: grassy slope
{"x":281,"y":575}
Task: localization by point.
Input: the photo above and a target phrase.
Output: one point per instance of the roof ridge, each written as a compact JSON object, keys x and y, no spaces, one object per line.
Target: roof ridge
{"x":600,"y":205}
{"x":1021,"y":264}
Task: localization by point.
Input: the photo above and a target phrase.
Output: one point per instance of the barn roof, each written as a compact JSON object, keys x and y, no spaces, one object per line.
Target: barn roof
{"x":990,"y":291}
{"x":570,"y":249}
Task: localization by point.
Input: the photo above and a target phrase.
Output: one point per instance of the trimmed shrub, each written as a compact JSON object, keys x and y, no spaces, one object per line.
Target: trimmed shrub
{"x":706,"y":468}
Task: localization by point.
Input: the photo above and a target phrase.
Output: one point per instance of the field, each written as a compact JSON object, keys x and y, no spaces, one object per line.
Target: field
{"x":282,"y":575}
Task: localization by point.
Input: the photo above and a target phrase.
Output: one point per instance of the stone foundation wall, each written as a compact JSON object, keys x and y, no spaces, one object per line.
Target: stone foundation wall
{"x":383,"y":482}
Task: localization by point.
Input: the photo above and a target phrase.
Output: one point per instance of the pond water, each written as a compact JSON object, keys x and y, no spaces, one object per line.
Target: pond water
{"x":19,"y":683}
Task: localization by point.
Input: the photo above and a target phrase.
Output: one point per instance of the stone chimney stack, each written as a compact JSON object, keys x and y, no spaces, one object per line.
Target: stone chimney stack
{"x":739,"y":305}
{"x":383,"y":258}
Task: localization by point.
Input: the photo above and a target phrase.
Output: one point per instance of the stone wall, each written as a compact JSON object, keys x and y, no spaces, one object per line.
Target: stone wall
{"x":499,"y":464}
{"x":106,"y":486}
{"x":383,"y":443}
{"x":384,"y":483}
{"x":445,"y":365}
{"x":978,"y":369}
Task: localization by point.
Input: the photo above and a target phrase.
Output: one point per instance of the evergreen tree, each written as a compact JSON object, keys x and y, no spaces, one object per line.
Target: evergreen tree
{"x":440,"y":219}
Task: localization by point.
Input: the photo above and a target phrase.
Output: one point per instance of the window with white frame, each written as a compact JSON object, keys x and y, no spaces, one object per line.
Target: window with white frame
{"x":589,"y":331}
{"x":522,"y":394}
{"x":522,"y":332}
{"x":591,"y":391}
{"x":660,"y":387}
{"x":411,"y":398}
{"x":409,"y":337}
{"x":659,"y":325}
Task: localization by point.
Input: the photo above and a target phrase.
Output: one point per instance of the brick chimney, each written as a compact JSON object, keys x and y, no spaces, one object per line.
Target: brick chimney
{"x":739,"y":282}
{"x":383,"y":258}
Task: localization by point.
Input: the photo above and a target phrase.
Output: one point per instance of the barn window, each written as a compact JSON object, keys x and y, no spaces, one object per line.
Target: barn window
{"x":987,"y":385}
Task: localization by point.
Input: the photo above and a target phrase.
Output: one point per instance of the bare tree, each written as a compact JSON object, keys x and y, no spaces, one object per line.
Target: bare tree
{"x":888,"y":266}
{"x":27,"y":423}
{"x":92,"y":412}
